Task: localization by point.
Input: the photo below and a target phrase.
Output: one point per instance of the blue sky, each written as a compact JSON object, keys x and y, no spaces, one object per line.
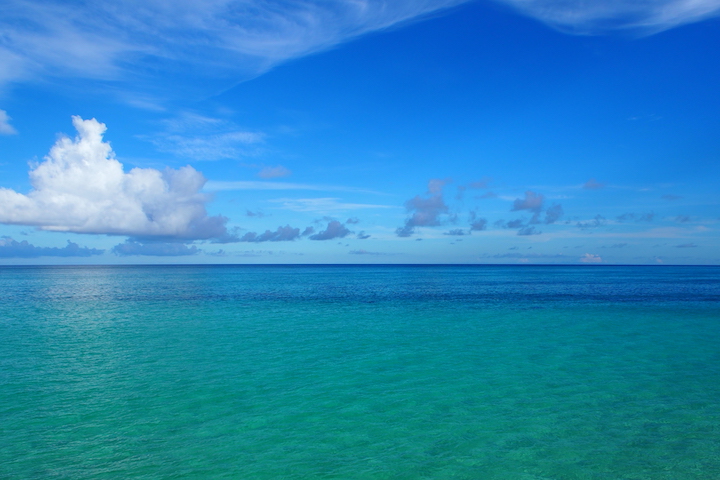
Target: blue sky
{"x":509,"y":131}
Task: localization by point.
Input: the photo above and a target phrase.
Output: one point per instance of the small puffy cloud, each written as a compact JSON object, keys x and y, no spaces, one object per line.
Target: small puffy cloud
{"x":593,"y":185}
{"x":274,"y":172}
{"x":10,"y":248}
{"x":80,"y":187}
{"x":528,"y":230}
{"x":153,"y":249}
{"x":352,"y":221}
{"x":426,"y":211}
{"x":457,"y":232}
{"x":486,"y":196}
{"x":476,"y":223}
{"x":636,"y":217}
{"x":671,"y":197}
{"x":482,"y":183}
{"x":5,"y":127}
{"x":282,"y":234}
{"x":518,"y":223}
{"x":362,"y":236}
{"x":258,"y":214}
{"x":436,"y":185}
{"x":532,"y":202}
{"x":553,"y":214}
{"x":591,"y":258}
{"x":333,"y":230}
{"x":597,"y":221}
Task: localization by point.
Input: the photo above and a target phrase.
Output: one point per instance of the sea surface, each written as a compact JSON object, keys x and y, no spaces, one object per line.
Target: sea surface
{"x":360,"y":372}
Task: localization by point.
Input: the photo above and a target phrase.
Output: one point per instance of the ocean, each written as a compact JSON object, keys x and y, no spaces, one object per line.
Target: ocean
{"x":360,"y":372}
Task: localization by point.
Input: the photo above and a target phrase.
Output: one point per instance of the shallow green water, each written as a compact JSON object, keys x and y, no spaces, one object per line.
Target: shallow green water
{"x":360,"y":372}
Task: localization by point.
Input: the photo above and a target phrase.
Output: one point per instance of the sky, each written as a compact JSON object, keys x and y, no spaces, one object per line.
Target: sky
{"x":360,"y":131}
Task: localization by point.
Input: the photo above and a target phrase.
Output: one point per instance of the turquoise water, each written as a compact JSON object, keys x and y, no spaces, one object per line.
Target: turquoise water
{"x":263,"y":372}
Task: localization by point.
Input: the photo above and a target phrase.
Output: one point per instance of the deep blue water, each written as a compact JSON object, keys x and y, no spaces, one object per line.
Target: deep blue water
{"x":477,"y":372}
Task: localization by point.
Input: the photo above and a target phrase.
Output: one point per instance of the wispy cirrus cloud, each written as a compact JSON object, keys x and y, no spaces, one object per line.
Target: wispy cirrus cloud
{"x":134,"y":44}
{"x":642,"y":16}
{"x":198,"y":137}
{"x":224,"y":40}
{"x":274,"y":172}
{"x":324,"y":205}
{"x":5,"y":127}
{"x":219,"y":186}
{"x":593,"y":184}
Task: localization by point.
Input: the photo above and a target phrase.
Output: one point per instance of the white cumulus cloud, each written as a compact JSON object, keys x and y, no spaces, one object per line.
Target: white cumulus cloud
{"x":81,"y":187}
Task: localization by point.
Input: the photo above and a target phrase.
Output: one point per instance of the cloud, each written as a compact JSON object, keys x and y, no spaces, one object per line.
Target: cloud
{"x":686,"y":245}
{"x":80,"y":187}
{"x":203,"y":45}
{"x":637,"y":217}
{"x":618,"y":245}
{"x":365,"y":252}
{"x":593,"y":185}
{"x":482,"y":183}
{"x":436,"y":185}
{"x":643,"y":16}
{"x":532,"y":202}
{"x":5,"y":127}
{"x":353,"y":221}
{"x":282,"y":234}
{"x":216,"y":186}
{"x":10,"y":248}
{"x":597,"y":221}
{"x":133,"y":247}
{"x":478,"y":224}
{"x":591,"y":258}
{"x":274,"y":172}
{"x":333,"y":230}
{"x":249,"y":213}
{"x":682,"y":218}
{"x":323,"y":205}
{"x":426,"y":211}
{"x":528,"y":230}
{"x":671,"y":197}
{"x":198,"y":137}
{"x":361,"y":235}
{"x":457,"y":232}
{"x":487,"y":195}
{"x":553,"y":214}
{"x":525,"y":256}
